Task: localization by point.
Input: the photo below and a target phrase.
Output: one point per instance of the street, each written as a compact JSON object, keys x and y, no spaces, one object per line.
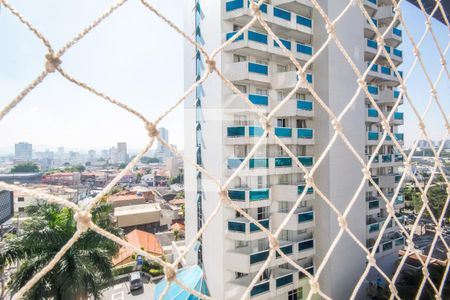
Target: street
{"x":121,"y":291}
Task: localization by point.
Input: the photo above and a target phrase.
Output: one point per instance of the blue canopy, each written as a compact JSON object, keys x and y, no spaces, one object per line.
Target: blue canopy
{"x":192,"y":277}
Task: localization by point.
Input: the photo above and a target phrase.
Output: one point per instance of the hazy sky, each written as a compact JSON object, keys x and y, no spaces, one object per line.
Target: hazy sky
{"x":136,"y":58}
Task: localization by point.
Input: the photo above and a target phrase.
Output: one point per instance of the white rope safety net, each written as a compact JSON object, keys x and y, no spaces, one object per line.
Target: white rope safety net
{"x":53,"y":64}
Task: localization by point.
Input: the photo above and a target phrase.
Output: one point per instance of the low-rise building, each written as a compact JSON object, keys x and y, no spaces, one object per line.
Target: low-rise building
{"x":62,"y":178}
{"x":145,"y":216}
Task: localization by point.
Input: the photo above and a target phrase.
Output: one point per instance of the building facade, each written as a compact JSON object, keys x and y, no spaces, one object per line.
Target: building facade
{"x":122,"y":155}
{"x":23,"y":151}
{"x":220,"y":131}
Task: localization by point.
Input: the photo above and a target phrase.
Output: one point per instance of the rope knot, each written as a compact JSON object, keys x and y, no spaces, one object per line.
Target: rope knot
{"x":390,"y":209}
{"x":362,"y":82}
{"x":416,"y":51}
{"x":273,"y":242}
{"x":443,"y":62}
{"x":211,"y":64}
{"x":385,"y":125}
{"x":438,"y":229}
{"x":152,"y":130}
{"x":424,"y":199}
{"x":337,"y":125}
{"x":223,"y":195}
{"x":371,"y":260}
{"x":380,"y":41}
{"x":309,"y":180}
{"x":425,"y":272}
{"x":447,"y":125}
{"x":255,"y":8}
{"x":314,"y":285}
{"x":331,"y":29}
{"x":366,"y":172}
{"x":83,"y":219}
{"x":265,"y":123}
{"x":52,"y":62}
{"x":393,"y":289}
{"x":433,"y":92}
{"x":170,"y":273}
{"x":410,"y":245}
{"x":342,"y":222}
{"x":402,"y":89}
{"x":421,"y":125}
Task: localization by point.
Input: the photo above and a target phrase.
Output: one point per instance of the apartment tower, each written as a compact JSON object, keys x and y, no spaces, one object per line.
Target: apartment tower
{"x":220,"y":131}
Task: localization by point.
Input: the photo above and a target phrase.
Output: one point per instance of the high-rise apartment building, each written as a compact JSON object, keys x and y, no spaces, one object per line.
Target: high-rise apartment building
{"x":220,"y":131}
{"x":121,"y":154}
{"x":23,"y":151}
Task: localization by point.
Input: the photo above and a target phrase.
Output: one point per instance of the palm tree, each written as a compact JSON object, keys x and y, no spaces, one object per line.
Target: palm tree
{"x":81,"y":273}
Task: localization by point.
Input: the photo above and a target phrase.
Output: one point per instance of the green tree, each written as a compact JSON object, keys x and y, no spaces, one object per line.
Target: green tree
{"x":28,"y":167}
{"x":82,"y":272}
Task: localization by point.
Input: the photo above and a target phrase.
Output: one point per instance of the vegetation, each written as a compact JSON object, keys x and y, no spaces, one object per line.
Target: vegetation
{"x":124,"y":269}
{"x":28,"y":167}
{"x":177,"y":179}
{"x":152,"y":268}
{"x":81,"y":273}
{"x":149,"y":160}
{"x":437,"y":196}
{"x":77,"y":168}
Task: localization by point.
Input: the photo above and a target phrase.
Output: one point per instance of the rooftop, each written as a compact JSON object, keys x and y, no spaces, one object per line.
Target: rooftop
{"x":137,"y":209}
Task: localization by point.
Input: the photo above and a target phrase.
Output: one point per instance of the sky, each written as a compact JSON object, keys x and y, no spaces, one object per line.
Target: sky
{"x":136,"y":58}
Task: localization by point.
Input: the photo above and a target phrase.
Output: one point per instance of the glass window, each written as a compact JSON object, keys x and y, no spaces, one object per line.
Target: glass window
{"x":242,"y":88}
{"x":239,"y":58}
{"x":21,"y":199}
{"x":241,"y":244}
{"x":296,"y":294}
{"x":262,"y":92}
{"x":263,"y":213}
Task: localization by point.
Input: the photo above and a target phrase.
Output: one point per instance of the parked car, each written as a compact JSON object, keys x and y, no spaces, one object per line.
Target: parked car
{"x":135,"y":281}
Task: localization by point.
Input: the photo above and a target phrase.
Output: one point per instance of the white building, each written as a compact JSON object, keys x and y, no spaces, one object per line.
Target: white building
{"x":220,"y":130}
{"x":23,"y":151}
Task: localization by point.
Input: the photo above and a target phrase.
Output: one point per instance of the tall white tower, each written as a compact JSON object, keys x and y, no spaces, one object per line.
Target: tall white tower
{"x":220,"y":130}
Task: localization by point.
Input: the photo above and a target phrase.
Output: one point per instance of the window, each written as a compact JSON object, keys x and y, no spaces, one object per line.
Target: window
{"x":263,"y":213}
{"x":236,"y":27}
{"x":240,"y":244}
{"x":262,"y":92}
{"x":296,"y":294}
{"x":282,"y":122}
{"x":301,"y":231}
{"x":282,"y":68}
{"x":238,"y":275}
{"x":301,"y":150}
{"x":300,"y":96}
{"x":263,"y":244}
{"x":260,"y":182}
{"x":261,"y":62}
{"x":239,"y":58}
{"x":21,"y":199}
{"x":240,"y":120}
{"x":283,"y":179}
{"x":242,"y":88}
{"x":285,"y":206}
{"x":286,"y":235}
{"x":281,"y":95}
{"x":301,"y":123}
{"x":21,"y":209}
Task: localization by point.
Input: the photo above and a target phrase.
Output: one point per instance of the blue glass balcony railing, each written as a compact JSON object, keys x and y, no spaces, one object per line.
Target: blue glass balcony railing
{"x":372,"y":136}
{"x":372,"y":112}
{"x":398,"y":157}
{"x":374,"y":67}
{"x":284,"y":280}
{"x":287,"y":250}
{"x":257,"y":37}
{"x":264,"y":223}
{"x":231,"y":34}
{"x":387,"y":246}
{"x":398,"y":115}
{"x":309,"y":78}
{"x":400,"y":73}
{"x":283,"y":131}
{"x":398,"y":53}
{"x":396,"y":94}
{"x":233,"y":5}
{"x":399,"y":136}
{"x":375,"y":159}
{"x":258,"y":68}
{"x":305,"y":133}
{"x":397,"y":31}
{"x":283,"y":162}
{"x":385,"y":70}
{"x":236,"y":131}
{"x":386,"y":158}
{"x":373,"y":1}
{"x":255,"y":131}
{"x":236,"y":195}
{"x":374,"y":227}
{"x":262,"y":163}
{"x":259,"y":194}
{"x":260,"y":288}
{"x":301,"y":188}
{"x":301,"y":20}
{"x":305,"y":105}
{"x":306,"y":245}
{"x":388,"y":49}
{"x":397,"y":178}
{"x":305,"y":216}
{"x":281,"y":13}
{"x":305,"y":49}
{"x":399,"y":200}
{"x":375,"y":22}
{"x":286,"y":43}
{"x":307,"y":161}
{"x":374,"y":204}
{"x":259,"y":99}
{"x":372,"y":44}
{"x":259,"y":257}
{"x":263,"y":6}
{"x":372,"y":89}
{"x":399,"y":242}
{"x":236,"y":226}
{"x":234,"y":163}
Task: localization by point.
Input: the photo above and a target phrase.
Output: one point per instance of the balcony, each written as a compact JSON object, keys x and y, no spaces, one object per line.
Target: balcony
{"x":399,"y":202}
{"x":301,"y":219}
{"x":242,"y":229}
{"x":250,"y":198}
{"x":386,"y":14}
{"x":288,"y":80}
{"x":373,"y":206}
{"x":382,"y":74}
{"x":282,"y":21}
{"x":238,"y":135}
{"x":260,"y":166}
{"x":294,"y":107}
{"x":372,"y":115}
{"x":393,"y":37}
{"x":249,"y":42}
{"x":290,"y":192}
{"x":372,"y":138}
{"x":247,"y":72}
{"x":371,"y":6}
{"x":388,"y":96}
{"x":371,"y":49}
{"x":299,"y":6}
{"x":387,"y":160}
